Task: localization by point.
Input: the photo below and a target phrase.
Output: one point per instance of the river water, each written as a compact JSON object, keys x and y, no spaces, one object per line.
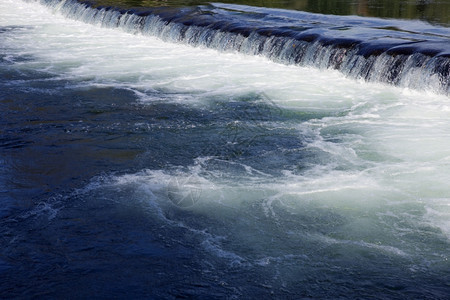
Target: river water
{"x":147,"y":164}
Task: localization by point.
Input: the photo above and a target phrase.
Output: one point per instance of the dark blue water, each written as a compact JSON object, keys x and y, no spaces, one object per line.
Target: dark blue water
{"x":134,"y":168}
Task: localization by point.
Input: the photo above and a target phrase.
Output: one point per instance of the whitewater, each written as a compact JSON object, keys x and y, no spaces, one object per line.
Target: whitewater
{"x":137,"y":164}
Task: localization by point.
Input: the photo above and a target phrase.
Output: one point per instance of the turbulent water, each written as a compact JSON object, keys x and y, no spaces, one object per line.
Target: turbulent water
{"x":410,"y":54}
{"x":158,"y":161}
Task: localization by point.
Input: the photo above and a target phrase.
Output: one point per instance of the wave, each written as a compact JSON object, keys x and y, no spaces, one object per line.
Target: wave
{"x":409,"y":54}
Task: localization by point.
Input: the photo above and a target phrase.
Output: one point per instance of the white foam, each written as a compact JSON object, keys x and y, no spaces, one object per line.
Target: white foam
{"x":363,"y":244}
{"x":438,"y":214}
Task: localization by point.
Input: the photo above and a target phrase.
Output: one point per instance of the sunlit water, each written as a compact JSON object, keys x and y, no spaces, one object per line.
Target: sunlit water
{"x":135,"y":167}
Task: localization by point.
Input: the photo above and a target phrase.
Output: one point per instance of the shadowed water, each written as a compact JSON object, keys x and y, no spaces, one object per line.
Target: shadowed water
{"x":436,"y":12}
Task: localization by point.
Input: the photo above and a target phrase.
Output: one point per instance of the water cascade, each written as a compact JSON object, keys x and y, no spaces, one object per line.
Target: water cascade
{"x":403,"y":53}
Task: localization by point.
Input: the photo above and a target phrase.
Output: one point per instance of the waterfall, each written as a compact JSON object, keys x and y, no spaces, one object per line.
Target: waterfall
{"x":377,"y":53}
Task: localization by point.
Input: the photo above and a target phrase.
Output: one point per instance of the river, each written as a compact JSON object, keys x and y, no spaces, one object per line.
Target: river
{"x":222,"y":151}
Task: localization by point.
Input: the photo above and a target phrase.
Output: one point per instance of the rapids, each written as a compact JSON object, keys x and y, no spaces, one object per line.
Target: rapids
{"x":145,"y":163}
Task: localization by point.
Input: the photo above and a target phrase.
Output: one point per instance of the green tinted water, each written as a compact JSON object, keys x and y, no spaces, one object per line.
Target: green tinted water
{"x":436,"y":12}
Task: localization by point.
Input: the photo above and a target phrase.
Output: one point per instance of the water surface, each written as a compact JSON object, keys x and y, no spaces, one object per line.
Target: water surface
{"x":436,"y":12}
{"x":136,"y":166}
